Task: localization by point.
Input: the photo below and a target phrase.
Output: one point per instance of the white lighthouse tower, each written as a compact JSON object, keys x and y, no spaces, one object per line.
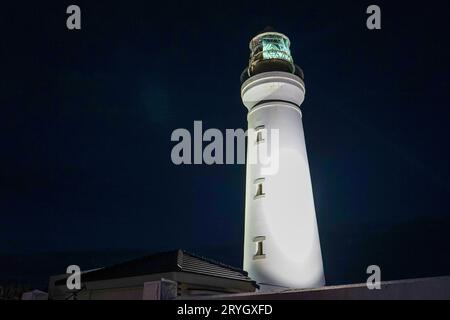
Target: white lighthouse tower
{"x":281,"y":246}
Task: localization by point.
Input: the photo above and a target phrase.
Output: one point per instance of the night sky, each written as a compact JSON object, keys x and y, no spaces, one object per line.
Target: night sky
{"x":86,"y":118}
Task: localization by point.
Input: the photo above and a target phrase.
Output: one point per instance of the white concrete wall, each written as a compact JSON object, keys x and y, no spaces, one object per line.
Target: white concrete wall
{"x":410,"y":289}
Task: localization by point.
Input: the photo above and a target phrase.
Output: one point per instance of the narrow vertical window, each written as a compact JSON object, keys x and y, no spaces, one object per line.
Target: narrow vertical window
{"x":259,"y":247}
{"x":259,"y":134}
{"x":259,"y":137}
{"x":259,"y":188}
{"x":259,"y":191}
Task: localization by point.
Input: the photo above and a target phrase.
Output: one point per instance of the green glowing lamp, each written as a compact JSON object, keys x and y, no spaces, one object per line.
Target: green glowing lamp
{"x":270,"y":50}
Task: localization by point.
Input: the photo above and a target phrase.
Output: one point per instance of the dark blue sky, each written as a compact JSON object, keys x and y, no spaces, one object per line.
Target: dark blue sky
{"x":86,"y":118}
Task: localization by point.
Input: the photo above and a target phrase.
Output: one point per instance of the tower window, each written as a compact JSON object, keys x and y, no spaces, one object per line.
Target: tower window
{"x":259,"y":193}
{"x":259,"y":134}
{"x":259,"y":248}
{"x":259,"y":137}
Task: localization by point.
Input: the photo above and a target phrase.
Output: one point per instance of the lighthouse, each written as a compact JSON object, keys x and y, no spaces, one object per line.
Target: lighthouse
{"x":281,"y":242}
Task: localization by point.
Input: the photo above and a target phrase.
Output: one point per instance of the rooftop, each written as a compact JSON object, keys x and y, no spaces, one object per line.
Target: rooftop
{"x":171,"y":261}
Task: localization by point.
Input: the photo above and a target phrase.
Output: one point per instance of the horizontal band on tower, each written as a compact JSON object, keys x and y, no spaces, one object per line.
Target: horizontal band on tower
{"x":275,"y":103}
{"x":272,"y":86}
{"x":272,"y":76}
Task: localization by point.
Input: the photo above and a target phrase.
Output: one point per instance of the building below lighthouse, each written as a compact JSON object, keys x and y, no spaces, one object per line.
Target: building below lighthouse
{"x":281,"y":243}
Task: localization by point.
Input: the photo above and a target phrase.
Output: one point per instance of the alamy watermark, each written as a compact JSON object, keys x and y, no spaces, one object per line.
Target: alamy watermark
{"x":73,"y":281}
{"x":373,"y":22}
{"x":263,"y":147}
{"x":374,"y":280}
{"x":73,"y":21}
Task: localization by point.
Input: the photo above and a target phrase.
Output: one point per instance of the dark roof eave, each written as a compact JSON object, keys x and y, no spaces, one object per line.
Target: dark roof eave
{"x":171,"y":261}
